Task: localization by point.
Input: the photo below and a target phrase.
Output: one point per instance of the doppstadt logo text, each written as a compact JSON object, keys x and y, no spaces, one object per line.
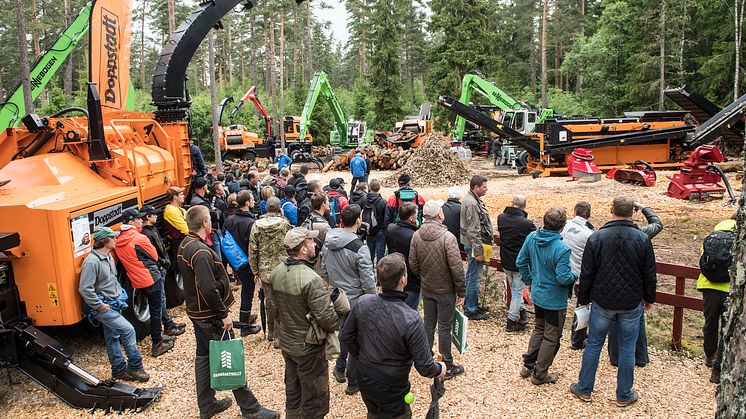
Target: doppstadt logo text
{"x":225,"y":359}
{"x":36,"y":80}
{"x":107,"y":216}
{"x":111,"y":28}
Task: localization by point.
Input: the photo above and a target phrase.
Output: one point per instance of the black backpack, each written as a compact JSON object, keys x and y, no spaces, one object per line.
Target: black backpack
{"x":717,"y":256}
{"x":369,"y":216}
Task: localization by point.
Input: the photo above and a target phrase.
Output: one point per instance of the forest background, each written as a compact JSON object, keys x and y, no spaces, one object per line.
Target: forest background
{"x":575,"y":56}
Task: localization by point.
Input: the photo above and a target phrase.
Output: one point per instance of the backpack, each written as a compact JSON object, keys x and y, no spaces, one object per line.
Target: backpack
{"x":407,"y":195}
{"x":369,"y":216}
{"x":716,"y":256}
{"x":335,"y":209}
{"x":232,"y":251}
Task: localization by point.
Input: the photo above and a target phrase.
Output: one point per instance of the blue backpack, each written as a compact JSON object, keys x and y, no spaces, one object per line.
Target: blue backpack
{"x":233,"y":252}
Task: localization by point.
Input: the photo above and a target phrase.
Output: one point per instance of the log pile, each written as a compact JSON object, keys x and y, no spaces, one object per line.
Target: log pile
{"x":230,"y":165}
{"x":432,"y":164}
{"x":381,"y":158}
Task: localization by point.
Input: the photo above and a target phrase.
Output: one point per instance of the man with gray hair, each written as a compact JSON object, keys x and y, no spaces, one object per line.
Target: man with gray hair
{"x":544,"y":264}
{"x":452,"y":212}
{"x":434,"y":257}
{"x":514,"y":226}
{"x":618,"y":277}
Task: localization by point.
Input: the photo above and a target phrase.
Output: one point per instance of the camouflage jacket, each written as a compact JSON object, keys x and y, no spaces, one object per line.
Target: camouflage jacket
{"x":265,"y":245}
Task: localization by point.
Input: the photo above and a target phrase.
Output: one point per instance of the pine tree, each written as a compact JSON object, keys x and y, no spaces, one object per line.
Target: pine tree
{"x":385,"y":80}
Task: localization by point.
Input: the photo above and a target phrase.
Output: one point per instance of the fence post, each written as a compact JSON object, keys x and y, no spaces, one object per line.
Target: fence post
{"x":678,"y":316}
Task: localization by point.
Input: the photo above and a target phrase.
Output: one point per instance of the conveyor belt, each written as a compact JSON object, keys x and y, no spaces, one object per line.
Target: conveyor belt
{"x":702,"y":110}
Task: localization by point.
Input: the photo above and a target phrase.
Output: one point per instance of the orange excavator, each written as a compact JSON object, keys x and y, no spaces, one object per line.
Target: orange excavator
{"x":235,"y":140}
{"x":67,"y":174}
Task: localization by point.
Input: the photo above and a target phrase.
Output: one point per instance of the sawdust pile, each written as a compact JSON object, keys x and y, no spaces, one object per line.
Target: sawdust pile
{"x":432,"y":165}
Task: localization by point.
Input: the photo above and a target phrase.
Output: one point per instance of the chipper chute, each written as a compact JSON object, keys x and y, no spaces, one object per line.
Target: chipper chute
{"x":580,"y":165}
{"x":638,"y":173}
{"x":700,"y":177}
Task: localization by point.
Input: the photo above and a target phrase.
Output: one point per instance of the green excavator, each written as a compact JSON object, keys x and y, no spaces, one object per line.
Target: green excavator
{"x":45,"y":67}
{"x":346,"y":134}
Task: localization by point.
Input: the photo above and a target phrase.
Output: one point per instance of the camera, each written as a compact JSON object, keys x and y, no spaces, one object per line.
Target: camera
{"x":362,"y":232}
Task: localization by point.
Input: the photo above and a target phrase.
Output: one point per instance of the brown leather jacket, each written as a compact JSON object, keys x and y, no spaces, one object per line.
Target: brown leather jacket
{"x":435,"y":257}
{"x":206,"y":287}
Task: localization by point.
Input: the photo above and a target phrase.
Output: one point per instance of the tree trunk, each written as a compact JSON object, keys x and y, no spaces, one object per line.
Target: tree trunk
{"x":739,"y":4}
{"x":544,"y":55}
{"x":309,"y":43}
{"x":662,"y":57}
{"x":252,"y":49}
{"x":267,"y":77}
{"x":296,"y":31}
{"x":35,"y":30}
{"x":579,"y":86}
{"x":273,"y":70}
{"x":23,"y":58}
{"x":731,"y":393}
{"x":557,"y":52}
{"x":282,"y":78}
{"x":142,"y":47}
{"x":171,"y":17}
{"x":67,"y":80}
{"x":229,"y":52}
{"x":214,"y":98}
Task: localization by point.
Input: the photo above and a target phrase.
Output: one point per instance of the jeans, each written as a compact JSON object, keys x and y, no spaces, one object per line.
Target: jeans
{"x":306,"y":385}
{"x":413,"y":299}
{"x":377,"y":246}
{"x":153,"y":294}
{"x":516,"y":295}
{"x":345,"y":361}
{"x":473,"y":272}
{"x":215,"y":237}
{"x":641,"y":344}
{"x":119,"y":332}
{"x":598,"y":327}
{"x":714,"y":306}
{"x":545,"y":340}
{"x":247,"y":292}
{"x":168,"y":322}
{"x":440,"y":309}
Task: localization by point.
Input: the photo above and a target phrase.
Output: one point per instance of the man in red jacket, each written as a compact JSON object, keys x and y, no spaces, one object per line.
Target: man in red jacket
{"x":140,"y":259}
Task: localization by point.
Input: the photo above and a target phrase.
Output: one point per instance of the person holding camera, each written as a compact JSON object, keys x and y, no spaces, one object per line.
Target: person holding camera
{"x":345,"y":260}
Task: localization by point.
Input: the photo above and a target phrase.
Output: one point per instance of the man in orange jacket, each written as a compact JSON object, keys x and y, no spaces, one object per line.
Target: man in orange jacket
{"x":140,"y":260}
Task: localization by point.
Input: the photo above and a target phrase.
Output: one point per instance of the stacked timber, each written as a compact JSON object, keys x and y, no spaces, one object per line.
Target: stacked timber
{"x":381,"y":158}
{"x":432,"y":164}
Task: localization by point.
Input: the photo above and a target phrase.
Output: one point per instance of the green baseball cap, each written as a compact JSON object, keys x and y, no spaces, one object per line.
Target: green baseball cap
{"x":104,"y":232}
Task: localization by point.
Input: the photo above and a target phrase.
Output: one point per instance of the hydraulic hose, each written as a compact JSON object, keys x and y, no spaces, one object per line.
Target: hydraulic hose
{"x":720,"y":173}
{"x":68,"y":110}
{"x":647,"y":167}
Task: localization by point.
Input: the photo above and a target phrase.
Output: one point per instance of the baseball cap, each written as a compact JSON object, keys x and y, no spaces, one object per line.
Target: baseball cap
{"x":130,"y":215}
{"x":404,"y":178}
{"x":297,"y":235}
{"x":432,"y":208}
{"x":173,"y":191}
{"x":148,"y":210}
{"x":273,"y":204}
{"x":198,"y":183}
{"x":272,"y":170}
{"x":104,"y":232}
{"x":335,"y":184}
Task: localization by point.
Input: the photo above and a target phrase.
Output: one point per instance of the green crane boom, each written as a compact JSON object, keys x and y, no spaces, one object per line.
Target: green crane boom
{"x":496,"y":96}
{"x":13,"y":108}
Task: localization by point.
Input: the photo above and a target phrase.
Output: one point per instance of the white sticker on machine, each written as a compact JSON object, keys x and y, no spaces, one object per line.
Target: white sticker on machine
{"x":82,"y":239}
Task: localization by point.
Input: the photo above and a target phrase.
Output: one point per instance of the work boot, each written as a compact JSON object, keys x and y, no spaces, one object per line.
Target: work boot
{"x":339,"y":375}
{"x":523,"y":319}
{"x":708,"y":361}
{"x":453,"y":371}
{"x":161,"y":348}
{"x":715,"y":376}
{"x":217,"y":407}
{"x":526,"y":371}
{"x":169,"y":338}
{"x":136,"y":375}
{"x":632,"y":400}
{"x":259,"y":413}
{"x":351,"y":389}
{"x":515,"y":326}
{"x":547,"y":379}
{"x":478,"y":316}
{"x":174,"y":330}
{"x":251,"y":330}
{"x":579,"y":394}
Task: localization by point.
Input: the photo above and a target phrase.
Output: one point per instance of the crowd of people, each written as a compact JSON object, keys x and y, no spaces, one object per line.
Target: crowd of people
{"x":325,"y":261}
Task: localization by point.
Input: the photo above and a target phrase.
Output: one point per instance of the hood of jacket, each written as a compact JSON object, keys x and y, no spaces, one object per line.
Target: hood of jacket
{"x":271,"y":223}
{"x":432,"y":230}
{"x":516,"y":212}
{"x":127,"y":233}
{"x":545,"y":238}
{"x":338,"y":238}
{"x":373,"y":197}
{"x":725,"y":225}
{"x":358,"y":196}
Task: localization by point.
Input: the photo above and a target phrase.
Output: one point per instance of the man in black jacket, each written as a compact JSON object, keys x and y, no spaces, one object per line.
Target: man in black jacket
{"x":374,"y":211}
{"x":208,"y":299}
{"x":298,"y":181}
{"x":150,"y":216}
{"x":452,"y":212}
{"x":239,"y":225}
{"x":386,"y":337}
{"x":514,"y":225}
{"x":398,"y":239}
{"x":618,"y":276}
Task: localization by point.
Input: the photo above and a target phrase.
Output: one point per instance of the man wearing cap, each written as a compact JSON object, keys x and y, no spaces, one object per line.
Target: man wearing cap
{"x":386,"y":337}
{"x":405,"y":193}
{"x":266,"y":252}
{"x":435,"y":258}
{"x":175,"y":221}
{"x":357,"y":168}
{"x":281,"y":160}
{"x":345,"y":260}
{"x":337,"y":201}
{"x":301,"y":297}
{"x":140,"y":260}
{"x":150,"y":217}
{"x":208,"y":299}
{"x":106,"y":300}
{"x":199,"y":186}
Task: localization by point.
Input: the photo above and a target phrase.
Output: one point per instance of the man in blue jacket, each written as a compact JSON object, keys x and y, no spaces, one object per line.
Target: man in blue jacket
{"x":281,"y":160}
{"x":544,"y":265}
{"x":357,"y":168}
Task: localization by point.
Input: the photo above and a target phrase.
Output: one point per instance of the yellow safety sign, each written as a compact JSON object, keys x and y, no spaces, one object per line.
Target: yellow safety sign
{"x":53,"y":297}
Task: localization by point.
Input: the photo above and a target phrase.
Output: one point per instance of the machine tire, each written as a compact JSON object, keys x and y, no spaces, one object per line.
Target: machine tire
{"x":294,"y":154}
{"x":249,"y":156}
{"x":174,"y":289}
{"x":522,"y":159}
{"x":137,"y":311}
